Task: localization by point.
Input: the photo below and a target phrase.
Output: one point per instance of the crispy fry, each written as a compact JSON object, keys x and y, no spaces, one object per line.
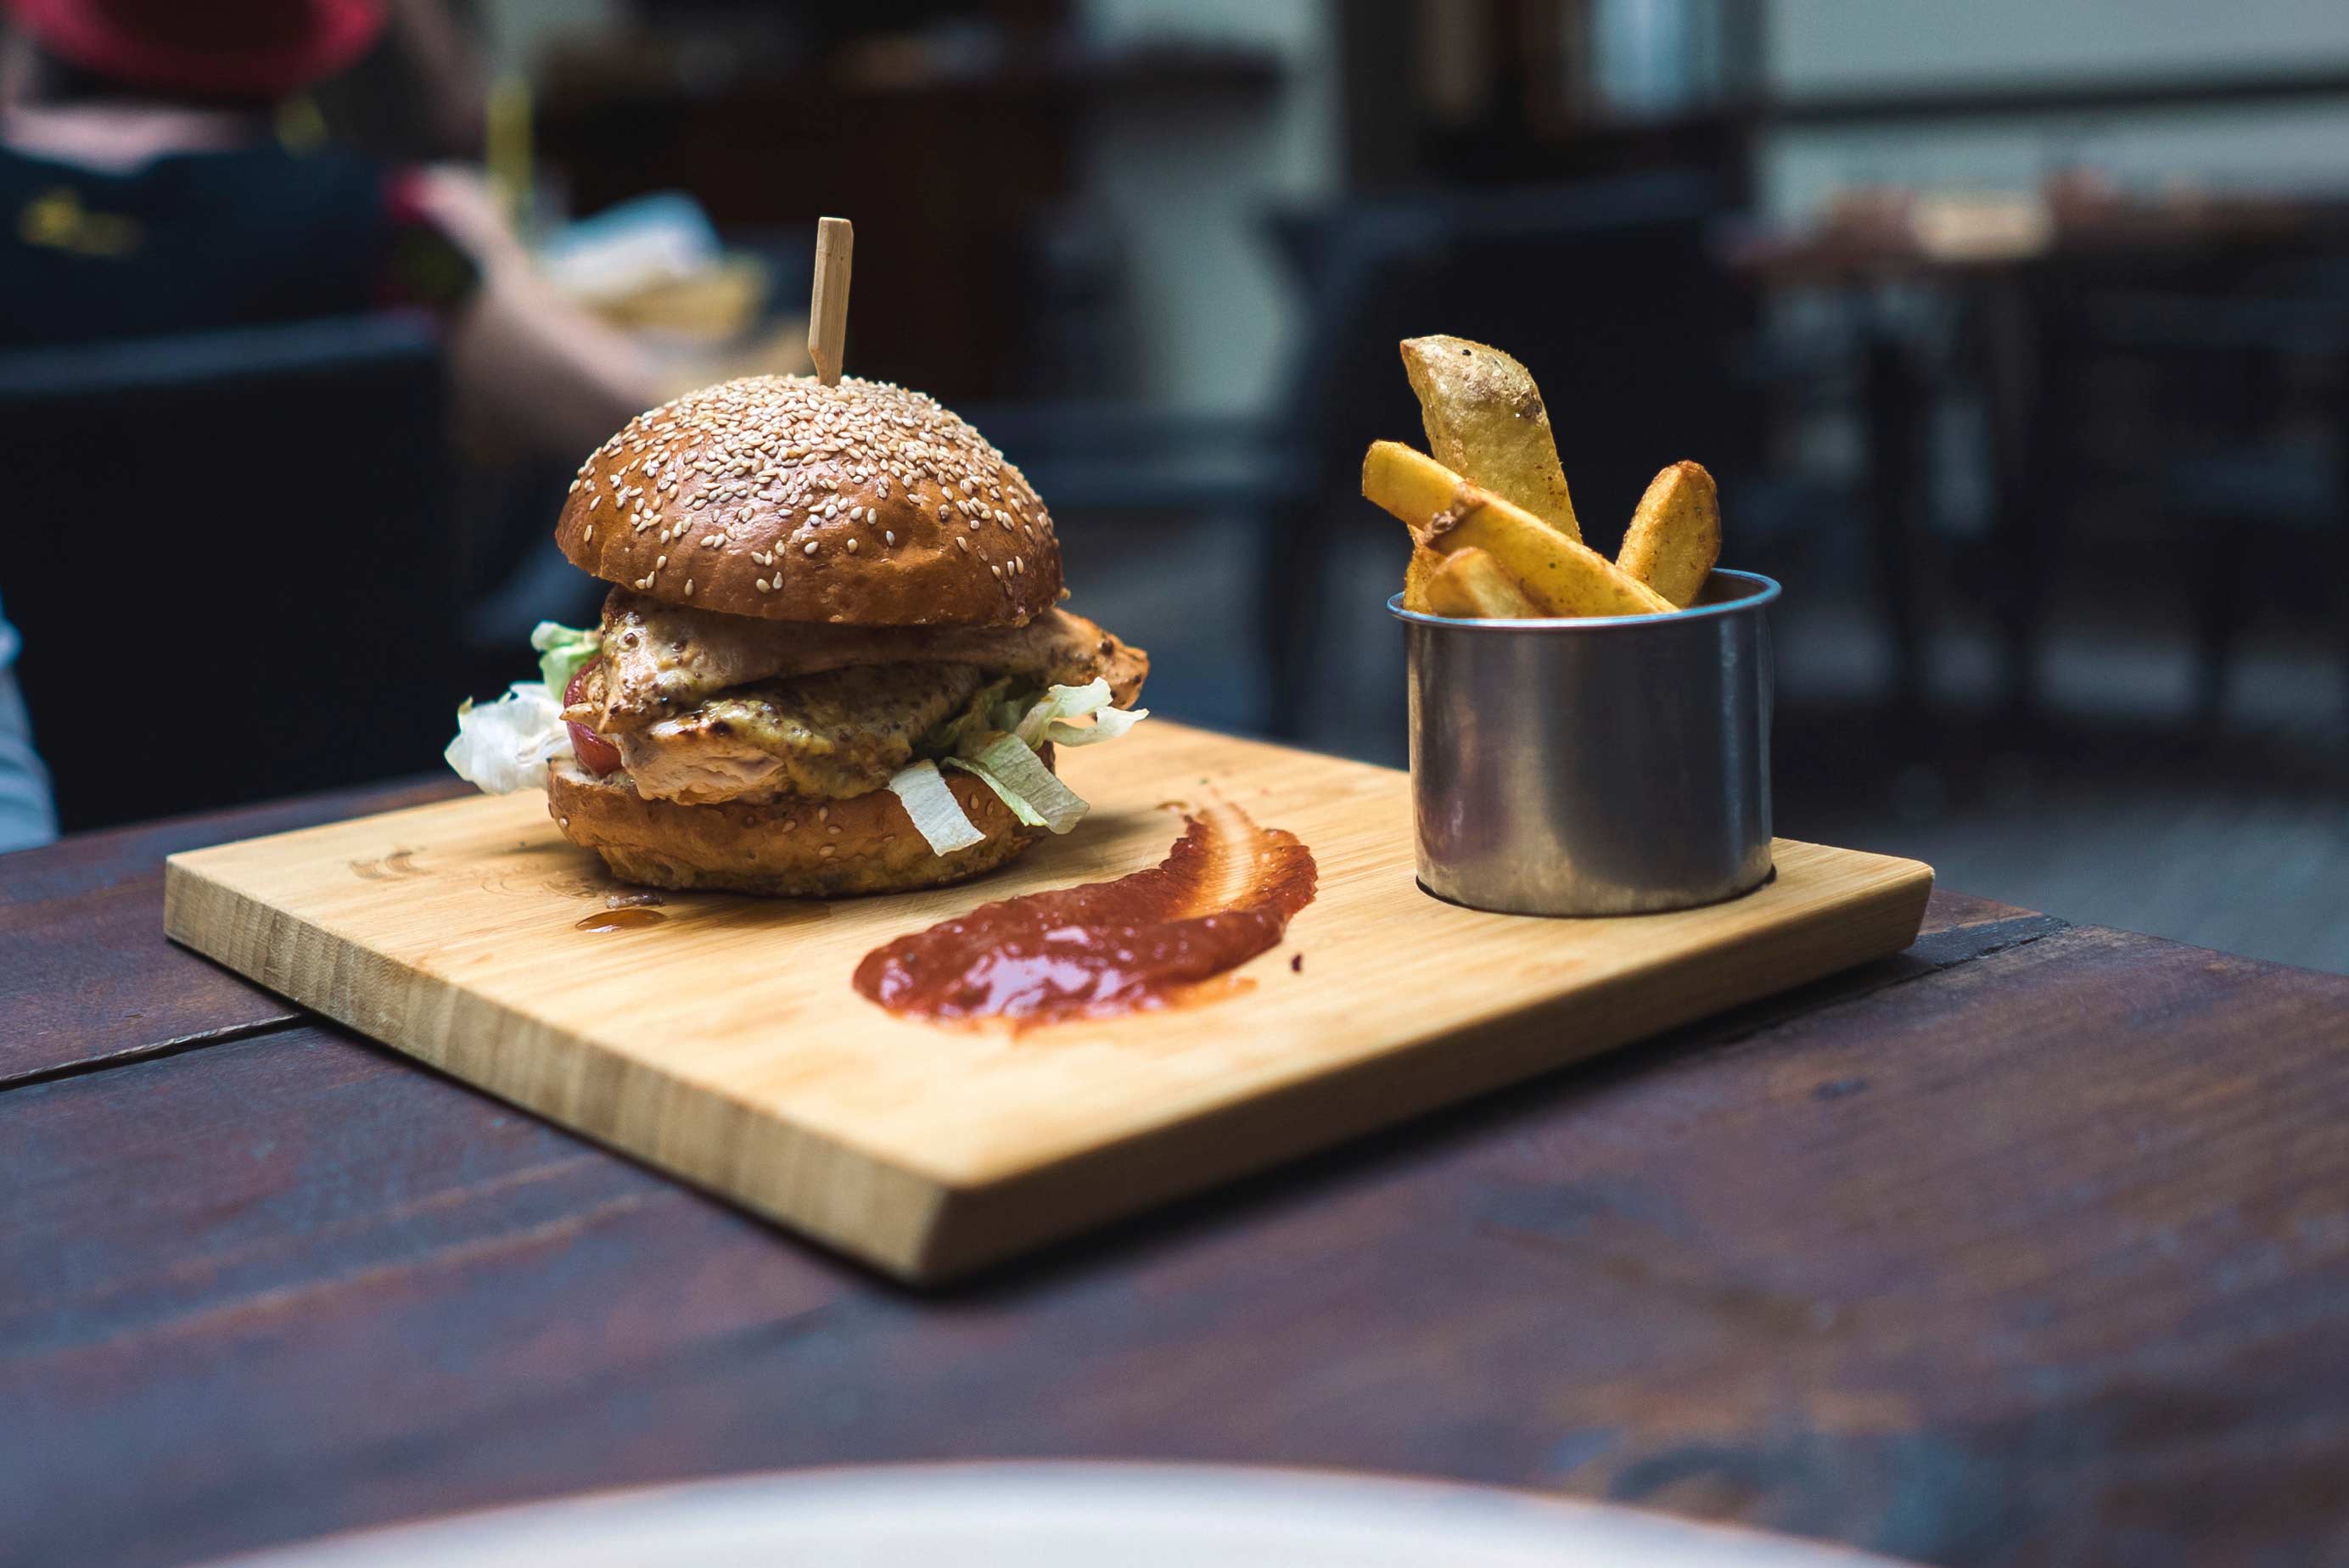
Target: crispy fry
{"x":1675,"y":534}
{"x":1484,"y":420}
{"x":1470,"y":582}
{"x":1424,"y":562}
{"x":1446,"y":512}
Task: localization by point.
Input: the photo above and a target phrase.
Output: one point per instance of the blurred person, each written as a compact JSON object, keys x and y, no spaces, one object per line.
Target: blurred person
{"x":145,"y":192}
{"x":27,"y":815}
{"x":421,"y":94}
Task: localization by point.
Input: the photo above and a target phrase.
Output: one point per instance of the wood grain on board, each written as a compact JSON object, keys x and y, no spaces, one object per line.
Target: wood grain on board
{"x":726,"y":1045}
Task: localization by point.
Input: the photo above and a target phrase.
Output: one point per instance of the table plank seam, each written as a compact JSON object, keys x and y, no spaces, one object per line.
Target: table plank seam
{"x":1964,"y":943}
{"x":133,"y":1054}
{"x":1937,"y":954}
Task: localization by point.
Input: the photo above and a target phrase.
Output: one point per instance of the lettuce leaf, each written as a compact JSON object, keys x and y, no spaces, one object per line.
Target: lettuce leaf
{"x":1017,"y":775}
{"x":937,"y":815}
{"x":506,"y":745}
{"x":1047,"y":719}
{"x":1012,"y":799}
{"x":560,"y":651}
{"x":998,"y":736}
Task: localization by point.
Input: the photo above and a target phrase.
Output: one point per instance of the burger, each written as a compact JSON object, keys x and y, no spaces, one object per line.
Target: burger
{"x":833,"y":659}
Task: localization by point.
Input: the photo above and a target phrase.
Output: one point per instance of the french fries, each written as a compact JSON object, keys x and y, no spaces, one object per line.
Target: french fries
{"x":1469,"y":582}
{"x":1484,"y":419}
{"x":1494,"y":534}
{"x":1415,"y":576}
{"x":1675,"y":534}
{"x":1560,"y":576}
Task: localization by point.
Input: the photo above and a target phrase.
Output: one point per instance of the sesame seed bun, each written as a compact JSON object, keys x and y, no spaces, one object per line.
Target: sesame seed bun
{"x":859,"y":504}
{"x":794,"y":847}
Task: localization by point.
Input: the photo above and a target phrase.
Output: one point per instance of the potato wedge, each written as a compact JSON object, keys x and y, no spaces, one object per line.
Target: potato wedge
{"x":1446,"y":512}
{"x":1484,"y":420}
{"x":1423,"y":564}
{"x":1470,"y":582}
{"x":1675,"y":533}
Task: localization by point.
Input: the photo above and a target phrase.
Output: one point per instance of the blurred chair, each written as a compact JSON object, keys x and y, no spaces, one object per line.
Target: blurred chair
{"x":2259,"y":454}
{"x":232,"y":562}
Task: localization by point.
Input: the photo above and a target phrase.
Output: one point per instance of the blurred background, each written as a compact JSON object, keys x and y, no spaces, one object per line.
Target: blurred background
{"x":2014,"y":332}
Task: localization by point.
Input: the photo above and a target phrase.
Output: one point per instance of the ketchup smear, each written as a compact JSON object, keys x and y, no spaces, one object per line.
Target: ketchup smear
{"x":1223,"y":893}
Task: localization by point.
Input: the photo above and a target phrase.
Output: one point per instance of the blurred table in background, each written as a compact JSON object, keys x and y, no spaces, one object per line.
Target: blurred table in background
{"x":2026,"y":273}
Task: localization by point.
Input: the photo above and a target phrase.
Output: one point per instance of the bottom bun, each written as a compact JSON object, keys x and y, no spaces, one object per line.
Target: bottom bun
{"x":792,"y":848}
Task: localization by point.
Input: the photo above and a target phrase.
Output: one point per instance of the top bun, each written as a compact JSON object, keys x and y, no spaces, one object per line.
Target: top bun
{"x":859,"y":504}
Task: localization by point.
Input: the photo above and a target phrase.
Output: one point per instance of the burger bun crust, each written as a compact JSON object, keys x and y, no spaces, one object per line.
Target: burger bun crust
{"x":859,"y":504}
{"x":794,"y":847}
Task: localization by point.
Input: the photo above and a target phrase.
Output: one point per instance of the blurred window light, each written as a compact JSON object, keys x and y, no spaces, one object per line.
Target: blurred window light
{"x":1651,"y":59}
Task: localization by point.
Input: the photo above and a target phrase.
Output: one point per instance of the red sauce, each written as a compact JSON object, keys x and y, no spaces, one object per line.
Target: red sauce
{"x":1223,"y":893}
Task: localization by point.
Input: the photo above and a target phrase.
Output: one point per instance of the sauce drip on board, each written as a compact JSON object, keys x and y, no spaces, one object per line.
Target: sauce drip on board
{"x":629,"y":918}
{"x":1223,"y":893}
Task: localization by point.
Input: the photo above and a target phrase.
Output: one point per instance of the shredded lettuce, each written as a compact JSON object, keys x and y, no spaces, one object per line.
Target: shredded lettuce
{"x":1015,"y":801}
{"x":560,"y":651}
{"x":998,"y":736}
{"x":1016,"y":773}
{"x":937,"y":815}
{"x":506,"y":745}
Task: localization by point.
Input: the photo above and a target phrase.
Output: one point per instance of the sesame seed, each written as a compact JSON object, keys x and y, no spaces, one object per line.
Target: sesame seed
{"x":852,"y":547}
{"x":689,"y":587}
{"x":810,"y":547}
{"x":661,"y":562}
{"x":761,"y":583}
{"x":589,"y":538}
{"x":823,"y":813}
{"x":594,"y":500}
{"x":962,"y":544}
{"x":828,"y":851}
{"x":888,"y":536}
{"x":997,"y":569}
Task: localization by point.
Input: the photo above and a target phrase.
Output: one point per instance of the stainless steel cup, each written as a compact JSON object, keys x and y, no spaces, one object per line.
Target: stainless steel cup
{"x":1617,"y":765}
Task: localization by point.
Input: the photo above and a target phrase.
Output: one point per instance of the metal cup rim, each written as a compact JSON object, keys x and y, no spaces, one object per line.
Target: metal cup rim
{"x":1764,"y":590}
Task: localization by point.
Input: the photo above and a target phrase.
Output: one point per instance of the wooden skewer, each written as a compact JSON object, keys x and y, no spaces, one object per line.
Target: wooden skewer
{"x":835,"y":238}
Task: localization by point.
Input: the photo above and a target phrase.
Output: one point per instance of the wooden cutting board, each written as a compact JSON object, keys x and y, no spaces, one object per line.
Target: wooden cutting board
{"x":726,"y":1045}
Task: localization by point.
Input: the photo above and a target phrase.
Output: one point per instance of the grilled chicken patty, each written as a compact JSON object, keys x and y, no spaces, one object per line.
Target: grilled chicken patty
{"x":831,"y":735}
{"x":661,"y":660}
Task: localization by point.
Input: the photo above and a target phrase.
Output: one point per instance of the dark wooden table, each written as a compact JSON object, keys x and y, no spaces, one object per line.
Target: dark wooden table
{"x":2029,"y":1245}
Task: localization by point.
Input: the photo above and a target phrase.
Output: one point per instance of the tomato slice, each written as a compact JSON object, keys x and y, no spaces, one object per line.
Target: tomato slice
{"x":595,"y":754}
